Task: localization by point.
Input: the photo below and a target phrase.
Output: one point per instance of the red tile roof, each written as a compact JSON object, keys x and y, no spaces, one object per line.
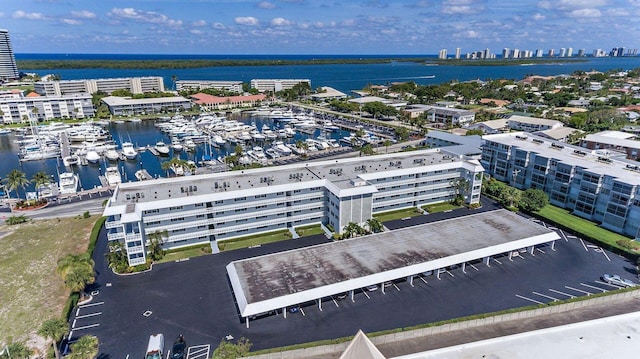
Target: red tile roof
{"x":203,"y":98}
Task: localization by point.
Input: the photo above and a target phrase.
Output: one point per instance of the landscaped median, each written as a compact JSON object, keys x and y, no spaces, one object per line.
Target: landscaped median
{"x":254,"y":240}
{"x":589,"y":231}
{"x":332,"y":347}
{"x":399,"y":214}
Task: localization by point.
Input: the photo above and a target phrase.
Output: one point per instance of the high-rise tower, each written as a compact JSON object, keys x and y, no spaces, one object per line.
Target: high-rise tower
{"x":8,"y":68}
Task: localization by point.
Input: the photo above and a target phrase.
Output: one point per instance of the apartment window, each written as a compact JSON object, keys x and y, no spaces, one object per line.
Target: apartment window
{"x":175,"y":208}
{"x":239,"y":199}
{"x":261,"y":206}
{"x":199,"y":204}
{"x":177,"y":219}
{"x":261,"y":196}
{"x":240,"y":210}
{"x":200,"y":216}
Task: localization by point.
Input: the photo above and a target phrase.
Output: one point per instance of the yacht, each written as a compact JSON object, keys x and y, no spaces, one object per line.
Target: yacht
{"x":92,"y":156}
{"x":129,"y":151}
{"x":45,"y":190}
{"x":329,"y":126}
{"x":257,"y":136}
{"x":111,"y":154}
{"x":162,"y":148}
{"x":176,"y":145}
{"x":281,"y":148}
{"x":219,"y":140}
{"x":189,"y":144}
{"x":68,"y":183}
{"x":112,"y":174}
{"x":71,"y":160}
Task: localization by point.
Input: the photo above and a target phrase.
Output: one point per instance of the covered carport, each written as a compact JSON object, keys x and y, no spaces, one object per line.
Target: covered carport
{"x":277,"y":281}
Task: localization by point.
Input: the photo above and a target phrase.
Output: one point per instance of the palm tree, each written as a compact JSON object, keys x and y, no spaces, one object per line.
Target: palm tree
{"x":16,"y":350}
{"x":77,"y":271}
{"x":15,"y":179}
{"x":375,"y":225}
{"x":71,"y":262}
{"x":386,"y":145}
{"x":40,"y":179}
{"x":54,"y":329}
{"x":460,"y":186}
{"x":155,"y":247}
{"x":84,"y":348}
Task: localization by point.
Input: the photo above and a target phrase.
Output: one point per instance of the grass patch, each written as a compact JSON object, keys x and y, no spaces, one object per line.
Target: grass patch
{"x":309,"y":230}
{"x":403,"y":213}
{"x":30,"y":289}
{"x":586,"y":229}
{"x":254,"y":240}
{"x":187,"y":252}
{"x":440,"y":207}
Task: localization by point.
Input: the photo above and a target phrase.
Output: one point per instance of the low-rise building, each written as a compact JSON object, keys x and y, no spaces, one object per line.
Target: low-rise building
{"x":618,"y":141}
{"x":215,"y":103}
{"x":124,"y":106}
{"x":136,"y":85}
{"x":216,"y":207}
{"x":328,"y":93}
{"x":18,"y":109}
{"x":532,"y":124}
{"x":232,"y":86}
{"x":444,"y":115}
{"x":276,"y":85}
{"x":590,"y":183}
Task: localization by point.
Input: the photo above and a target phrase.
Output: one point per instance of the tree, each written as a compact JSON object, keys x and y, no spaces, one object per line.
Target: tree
{"x":402,"y":133}
{"x":228,"y":350}
{"x":16,"y":351}
{"x":476,"y":131}
{"x":509,"y":196}
{"x":155,"y":246}
{"x":15,"y":179}
{"x":366,"y":150}
{"x":54,"y":329}
{"x":533,"y":200}
{"x":77,"y":271}
{"x":386,"y":145}
{"x":375,"y":225}
{"x":40,"y":178}
{"x":78,"y":279}
{"x":353,"y":229}
{"x":460,"y":187}
{"x":86,"y":347}
{"x":117,"y":257}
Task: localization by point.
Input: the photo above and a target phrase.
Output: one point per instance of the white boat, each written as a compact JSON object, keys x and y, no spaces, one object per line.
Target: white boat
{"x":111,"y":154}
{"x":281,"y":148}
{"x":45,"y":190}
{"x":289,"y":131}
{"x":177,"y":169}
{"x":162,"y":148}
{"x":71,"y":160}
{"x":112,"y":174}
{"x":219,"y":140}
{"x":129,"y":151}
{"x":92,"y":156}
{"x":39,"y":152}
{"x":272,"y":153}
{"x":141,"y":175}
{"x":329,"y":126}
{"x":68,"y":183}
{"x":189,"y":144}
{"x":258,"y":136}
{"x":176,"y":145}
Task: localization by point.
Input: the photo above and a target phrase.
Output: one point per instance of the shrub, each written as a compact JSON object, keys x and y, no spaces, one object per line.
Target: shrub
{"x":140,"y":268}
{"x":628,"y":244}
{"x":86,"y":214}
{"x":16,"y":220}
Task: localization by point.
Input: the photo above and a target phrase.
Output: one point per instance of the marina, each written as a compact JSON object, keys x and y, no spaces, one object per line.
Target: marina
{"x":100,"y":155}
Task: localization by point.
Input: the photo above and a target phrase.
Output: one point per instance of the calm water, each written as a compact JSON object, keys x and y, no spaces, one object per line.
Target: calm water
{"x":140,"y":134}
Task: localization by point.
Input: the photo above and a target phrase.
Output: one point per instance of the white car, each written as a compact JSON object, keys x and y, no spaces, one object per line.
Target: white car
{"x":617,"y":280}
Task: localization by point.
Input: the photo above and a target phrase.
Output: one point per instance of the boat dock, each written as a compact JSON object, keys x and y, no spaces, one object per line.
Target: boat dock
{"x":65,"y":148}
{"x":153,"y":151}
{"x":143,"y":175}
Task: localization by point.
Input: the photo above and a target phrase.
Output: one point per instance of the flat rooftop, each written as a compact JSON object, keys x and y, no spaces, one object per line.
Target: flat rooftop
{"x":281,"y":274}
{"x":592,"y":160}
{"x":340,"y":172}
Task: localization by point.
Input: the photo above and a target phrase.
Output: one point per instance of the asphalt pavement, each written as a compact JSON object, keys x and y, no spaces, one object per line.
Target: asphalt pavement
{"x":194,"y":297}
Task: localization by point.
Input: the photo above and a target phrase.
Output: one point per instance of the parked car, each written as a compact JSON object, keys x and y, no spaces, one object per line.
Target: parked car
{"x":617,"y":280}
{"x":372,"y":288}
{"x":155,"y":348}
{"x":294,"y":309}
{"x":341,"y":296}
{"x":179,"y":348}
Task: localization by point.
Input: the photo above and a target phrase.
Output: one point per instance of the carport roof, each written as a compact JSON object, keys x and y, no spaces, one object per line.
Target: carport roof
{"x":287,"y":278}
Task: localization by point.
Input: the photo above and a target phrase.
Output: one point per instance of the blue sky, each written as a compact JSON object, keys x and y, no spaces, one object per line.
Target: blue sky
{"x":316,"y":26}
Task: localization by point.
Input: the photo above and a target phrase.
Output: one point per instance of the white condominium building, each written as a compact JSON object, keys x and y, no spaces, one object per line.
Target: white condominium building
{"x":232,"y":86}
{"x":275,"y":85}
{"x":590,"y":183}
{"x":217,"y":207}
{"x":136,"y":85}
{"x":8,"y":68}
{"x":26,"y":108}
{"x":124,"y":106}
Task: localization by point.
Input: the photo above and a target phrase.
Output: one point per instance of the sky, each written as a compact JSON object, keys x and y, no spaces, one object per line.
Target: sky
{"x":316,"y":26}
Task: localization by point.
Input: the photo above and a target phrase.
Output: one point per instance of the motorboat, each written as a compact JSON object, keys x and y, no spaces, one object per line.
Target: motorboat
{"x":71,"y":160}
{"x":112,"y":174}
{"x":219,"y":140}
{"x":129,"y":151}
{"x":111,"y":154}
{"x":176,"y":145}
{"x":45,"y":190}
{"x":68,"y":183}
{"x":281,"y":148}
{"x":258,"y":136}
{"x":92,"y":156}
{"x":189,"y":144}
{"x":162,"y":148}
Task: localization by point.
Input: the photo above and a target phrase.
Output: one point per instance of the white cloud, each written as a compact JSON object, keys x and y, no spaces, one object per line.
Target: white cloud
{"x":246,"y":20}
{"x":617,"y":12}
{"x":199,"y":23}
{"x":71,"y":21}
{"x":19,"y":14}
{"x":196,"y":32}
{"x":470,"y":34}
{"x":219,"y":26}
{"x":144,"y":16}
{"x":457,"y":9}
{"x":571,"y":4}
{"x":585,"y":13}
{"x":539,"y":17}
{"x":266,"y":5}
{"x":278,"y":21}
{"x":83,"y":14}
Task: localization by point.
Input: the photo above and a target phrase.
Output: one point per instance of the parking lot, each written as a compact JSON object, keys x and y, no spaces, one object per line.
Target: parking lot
{"x":194,"y":298}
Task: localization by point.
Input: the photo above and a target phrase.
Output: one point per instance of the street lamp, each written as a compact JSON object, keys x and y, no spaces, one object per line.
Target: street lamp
{"x":515,"y":177}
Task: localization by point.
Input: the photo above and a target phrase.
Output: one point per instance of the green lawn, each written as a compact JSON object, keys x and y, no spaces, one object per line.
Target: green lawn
{"x":582,"y":226}
{"x":403,"y":213}
{"x":185,"y":253}
{"x":440,"y":207}
{"x":30,"y":290}
{"x":309,"y":230}
{"x":258,"y":239}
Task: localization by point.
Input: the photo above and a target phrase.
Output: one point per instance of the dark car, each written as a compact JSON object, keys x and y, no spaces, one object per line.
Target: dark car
{"x":179,"y":348}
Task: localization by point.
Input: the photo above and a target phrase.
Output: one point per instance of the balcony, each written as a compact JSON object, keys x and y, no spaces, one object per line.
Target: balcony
{"x":115,"y":236}
{"x":133,"y":237}
{"x":112,"y":224}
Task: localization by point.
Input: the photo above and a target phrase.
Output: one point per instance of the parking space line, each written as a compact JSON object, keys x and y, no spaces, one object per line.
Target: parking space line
{"x":593,"y":287}
{"x":474,"y":267}
{"x":600,"y":250}
{"x":365,"y":293}
{"x":88,"y":315}
{"x":578,"y":290}
{"x":90,"y":305}
{"x":395,"y":286}
{"x":335,"y":302}
{"x":529,"y":299}
{"x":562,"y":293}
{"x":610,"y":285}
{"x":497,"y":261}
{"x":585,"y":247}
{"x":302,"y":311}
{"x":422,"y":279}
{"x":87,"y":326}
{"x":563,"y":236}
{"x":541,"y":251}
{"x":546,"y":296}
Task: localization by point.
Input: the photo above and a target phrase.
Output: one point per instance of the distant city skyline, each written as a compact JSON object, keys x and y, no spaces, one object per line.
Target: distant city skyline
{"x":319,"y":26}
